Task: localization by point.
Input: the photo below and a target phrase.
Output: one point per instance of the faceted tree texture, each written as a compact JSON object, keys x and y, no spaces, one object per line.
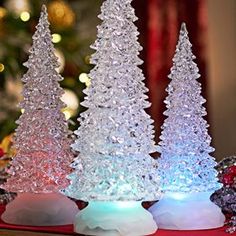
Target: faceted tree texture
{"x":116,"y":134}
{"x":185,"y":164}
{"x":42,"y":140}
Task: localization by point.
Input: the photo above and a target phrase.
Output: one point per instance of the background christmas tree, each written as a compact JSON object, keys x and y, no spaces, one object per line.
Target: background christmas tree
{"x":73,"y":24}
{"x":42,"y":144}
{"x":185,"y":164}
{"x":115,"y":135}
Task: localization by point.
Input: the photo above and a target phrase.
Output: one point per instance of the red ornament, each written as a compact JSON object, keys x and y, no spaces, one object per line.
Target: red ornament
{"x":231,"y":170}
{"x":228,"y":179}
{"x":1,"y":152}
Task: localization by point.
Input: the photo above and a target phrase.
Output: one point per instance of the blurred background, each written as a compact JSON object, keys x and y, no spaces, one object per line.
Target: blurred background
{"x":212,"y":30}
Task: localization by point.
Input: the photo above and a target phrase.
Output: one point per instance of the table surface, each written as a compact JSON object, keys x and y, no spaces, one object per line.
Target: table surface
{"x":5,"y":232}
{"x":16,"y":230}
{"x":34,"y":232}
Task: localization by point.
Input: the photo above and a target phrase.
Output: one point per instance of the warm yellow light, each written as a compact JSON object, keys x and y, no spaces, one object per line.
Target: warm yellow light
{"x":72,"y":103}
{"x":22,"y":111}
{"x":61,"y":60}
{"x":88,"y":83}
{"x":25,"y":16}
{"x":17,"y":6}
{"x":3,"y":12}
{"x":2,"y":67}
{"x":56,"y":38}
{"x":60,"y":14}
{"x":68,"y":114}
{"x":70,"y":99}
{"x":83,"y":78}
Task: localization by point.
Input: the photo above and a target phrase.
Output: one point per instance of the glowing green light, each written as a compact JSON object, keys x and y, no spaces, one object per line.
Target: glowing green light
{"x":126,"y":204}
{"x":106,"y":217}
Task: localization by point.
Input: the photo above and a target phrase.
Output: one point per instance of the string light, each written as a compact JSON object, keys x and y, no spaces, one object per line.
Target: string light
{"x":25,"y":16}
{"x":18,"y":6}
{"x":56,"y":38}
{"x":84,"y":78}
{"x":72,"y":103}
{"x":67,"y":114}
{"x":3,"y":12}
{"x":61,"y":60}
{"x":61,"y":15}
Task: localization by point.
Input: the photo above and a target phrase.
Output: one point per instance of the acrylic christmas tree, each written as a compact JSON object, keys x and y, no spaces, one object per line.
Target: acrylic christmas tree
{"x":39,"y":168}
{"x":186,"y":168}
{"x":114,"y":171}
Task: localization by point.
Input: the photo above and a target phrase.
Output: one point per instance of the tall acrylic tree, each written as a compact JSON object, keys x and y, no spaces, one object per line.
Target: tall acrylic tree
{"x":115,"y":136}
{"x":185,"y":166}
{"x":39,"y":168}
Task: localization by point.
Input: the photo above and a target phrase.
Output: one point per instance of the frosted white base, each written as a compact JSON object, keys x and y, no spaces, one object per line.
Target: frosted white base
{"x":40,"y":210}
{"x":114,"y":219}
{"x":181,"y":211}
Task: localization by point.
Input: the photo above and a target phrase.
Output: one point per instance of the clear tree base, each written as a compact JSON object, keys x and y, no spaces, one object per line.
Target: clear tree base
{"x":114,"y":219}
{"x":40,"y":210}
{"x":182,"y":211}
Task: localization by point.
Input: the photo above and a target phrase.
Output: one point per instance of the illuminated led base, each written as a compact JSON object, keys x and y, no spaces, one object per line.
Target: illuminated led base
{"x":182,"y":211}
{"x":40,"y":210}
{"x":114,"y":219}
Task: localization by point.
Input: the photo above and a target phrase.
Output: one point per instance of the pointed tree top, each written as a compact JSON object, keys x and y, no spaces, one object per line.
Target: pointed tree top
{"x":183,"y":26}
{"x":183,"y":42}
{"x":44,"y":13}
{"x":183,"y":29}
{"x":44,"y":8}
{"x":43,"y":20}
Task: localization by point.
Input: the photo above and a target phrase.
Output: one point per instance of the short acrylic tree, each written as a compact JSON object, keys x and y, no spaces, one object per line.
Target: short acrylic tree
{"x":39,"y":168}
{"x":185,"y":166}
{"x":115,"y":136}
